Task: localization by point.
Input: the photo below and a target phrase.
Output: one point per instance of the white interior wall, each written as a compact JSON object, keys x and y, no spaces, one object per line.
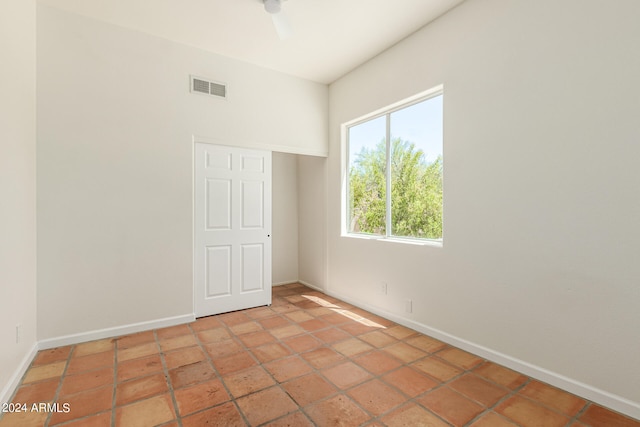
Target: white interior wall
{"x":115,"y":125}
{"x":284,"y":242}
{"x":17,"y":190}
{"x":312,"y":220}
{"x":539,"y":264}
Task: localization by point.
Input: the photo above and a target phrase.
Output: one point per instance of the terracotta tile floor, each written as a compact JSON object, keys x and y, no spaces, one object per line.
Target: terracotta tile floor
{"x":308,"y":360}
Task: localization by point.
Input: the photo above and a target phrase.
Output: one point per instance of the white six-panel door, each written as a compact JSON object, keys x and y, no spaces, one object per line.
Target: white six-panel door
{"x":232,"y":229}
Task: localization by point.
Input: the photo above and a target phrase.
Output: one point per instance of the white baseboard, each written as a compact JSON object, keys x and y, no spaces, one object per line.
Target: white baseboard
{"x":286,"y":282}
{"x":8,"y":390}
{"x":14,"y":381}
{"x":115,"y":331}
{"x":604,"y":398}
{"x":309,"y":285}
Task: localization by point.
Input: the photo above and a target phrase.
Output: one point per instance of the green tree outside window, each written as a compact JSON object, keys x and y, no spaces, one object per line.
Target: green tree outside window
{"x":415,"y":176}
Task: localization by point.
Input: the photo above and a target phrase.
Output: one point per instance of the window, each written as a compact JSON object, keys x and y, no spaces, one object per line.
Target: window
{"x":394,"y":171}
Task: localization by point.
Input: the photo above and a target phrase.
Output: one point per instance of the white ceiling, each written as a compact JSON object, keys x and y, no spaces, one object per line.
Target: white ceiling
{"x":331,"y":37}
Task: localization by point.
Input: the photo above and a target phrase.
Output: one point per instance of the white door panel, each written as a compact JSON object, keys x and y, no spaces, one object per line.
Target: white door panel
{"x":232,"y":229}
{"x":218,"y":214}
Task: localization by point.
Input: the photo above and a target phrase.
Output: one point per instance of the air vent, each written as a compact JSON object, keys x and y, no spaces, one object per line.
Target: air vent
{"x":208,"y":87}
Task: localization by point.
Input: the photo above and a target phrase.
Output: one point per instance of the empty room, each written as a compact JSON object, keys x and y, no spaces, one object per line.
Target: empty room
{"x":319,"y":213}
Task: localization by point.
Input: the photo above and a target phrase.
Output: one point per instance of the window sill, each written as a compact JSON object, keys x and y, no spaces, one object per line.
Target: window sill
{"x":406,"y":241}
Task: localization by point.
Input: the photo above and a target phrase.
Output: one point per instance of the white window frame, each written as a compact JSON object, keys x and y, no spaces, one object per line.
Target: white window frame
{"x":344,"y":130}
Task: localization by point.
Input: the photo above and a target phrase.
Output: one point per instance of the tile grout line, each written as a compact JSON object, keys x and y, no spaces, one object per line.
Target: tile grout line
{"x":350,"y":358}
{"x":314,"y":370}
{"x":294,"y":353}
{"x":167,"y":379}
{"x":218,"y":377}
{"x":379,"y":377}
{"x":62,"y":378}
{"x":403,"y":364}
{"x":576,"y":417}
{"x":516,"y":392}
{"x":407,"y":398}
{"x":347,"y":358}
{"x":471,"y":371}
{"x":374,"y":376}
{"x":512,"y":392}
{"x":304,"y":409}
{"x":218,"y":374}
{"x":317,"y":371}
{"x":115,"y":382}
{"x":468,"y":371}
{"x":260,"y":364}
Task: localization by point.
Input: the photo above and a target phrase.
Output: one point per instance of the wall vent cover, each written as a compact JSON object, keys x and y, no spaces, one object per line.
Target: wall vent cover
{"x":208,"y":87}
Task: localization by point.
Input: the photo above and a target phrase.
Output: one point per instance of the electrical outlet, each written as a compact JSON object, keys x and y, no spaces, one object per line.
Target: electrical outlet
{"x":408,"y":306}
{"x":383,"y":288}
{"x":18,"y":333}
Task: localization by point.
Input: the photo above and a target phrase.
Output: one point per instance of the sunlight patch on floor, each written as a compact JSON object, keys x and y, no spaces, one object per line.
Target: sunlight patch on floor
{"x":344,"y":312}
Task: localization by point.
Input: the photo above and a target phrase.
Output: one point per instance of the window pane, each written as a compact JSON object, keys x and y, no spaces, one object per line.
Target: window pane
{"x":416,"y":170}
{"x":367,"y":182}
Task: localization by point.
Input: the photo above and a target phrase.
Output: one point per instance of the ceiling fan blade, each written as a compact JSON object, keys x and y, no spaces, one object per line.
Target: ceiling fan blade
{"x":283,"y":27}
